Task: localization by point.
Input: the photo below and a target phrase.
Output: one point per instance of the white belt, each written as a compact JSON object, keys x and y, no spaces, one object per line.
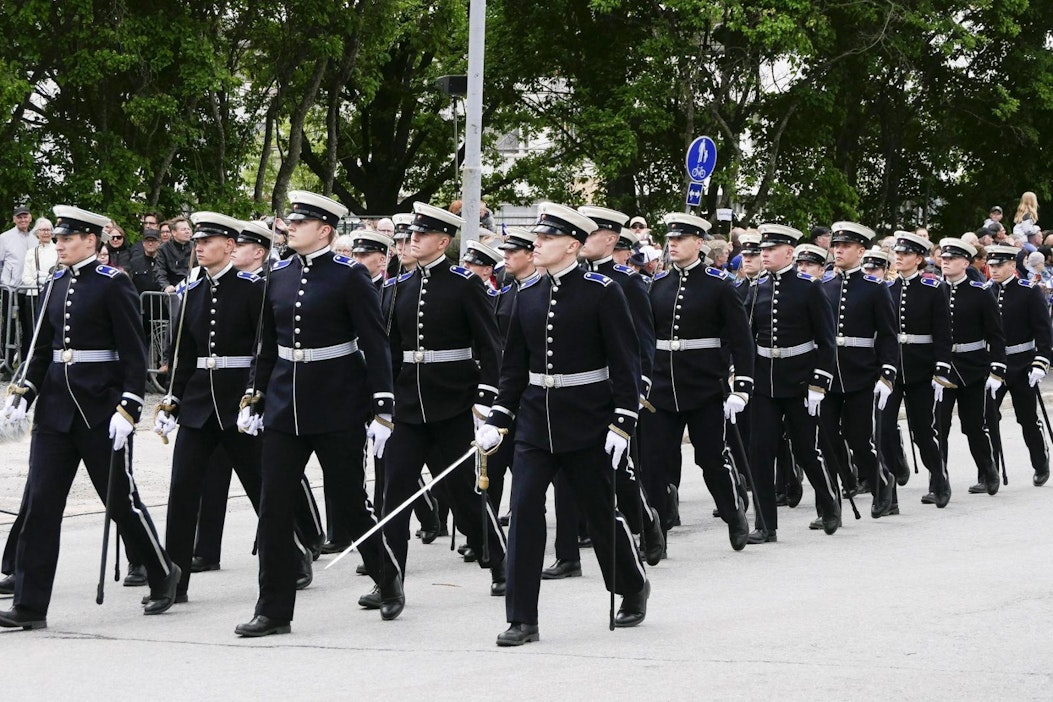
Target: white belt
{"x":324,"y":353}
{"x":570,"y":380}
{"x":971,"y":346}
{"x":1021,"y":348}
{"x":214,"y":362}
{"x":78,"y":356}
{"x":687,"y":344}
{"x":915,"y":338}
{"x":443,"y":356}
{"x":858,"y":342}
{"x":785,"y":351}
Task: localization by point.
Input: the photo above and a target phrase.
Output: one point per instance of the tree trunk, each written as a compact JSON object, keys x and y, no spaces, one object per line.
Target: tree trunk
{"x":292,"y":157}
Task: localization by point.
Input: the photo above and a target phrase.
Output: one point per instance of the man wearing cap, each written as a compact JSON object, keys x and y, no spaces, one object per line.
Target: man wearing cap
{"x":570,"y":380}
{"x":623,"y":250}
{"x":88,"y":371}
{"x":1025,"y":318}
{"x":793,"y":331}
{"x":446,"y":353}
{"x":978,"y":361}
{"x":320,"y":390}
{"x":14,"y":243}
{"x":811,"y":259}
{"x":481,"y":260}
{"x":864,"y":366}
{"x":694,"y":309}
{"x":371,"y":250}
{"x":877,"y":262}
{"x":994,"y":216}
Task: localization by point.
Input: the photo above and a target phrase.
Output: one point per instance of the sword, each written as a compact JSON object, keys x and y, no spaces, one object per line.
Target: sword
{"x":8,"y":430}
{"x":174,"y":355}
{"x":258,"y":342}
{"x":1045,"y":417}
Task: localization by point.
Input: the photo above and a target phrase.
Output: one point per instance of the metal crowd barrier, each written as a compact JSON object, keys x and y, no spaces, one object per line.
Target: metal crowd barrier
{"x":158,"y":310}
{"x":12,"y":327}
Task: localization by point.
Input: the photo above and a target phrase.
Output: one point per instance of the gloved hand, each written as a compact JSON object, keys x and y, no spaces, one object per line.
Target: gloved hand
{"x":992,"y":385}
{"x":812,"y":401}
{"x":733,"y":405}
{"x":938,"y":384}
{"x":249,"y":422}
{"x":164,"y":423}
{"x":1035,"y":376}
{"x":882,"y":391}
{"x":479,"y":415}
{"x":487,"y":436}
{"x":616,"y":445}
{"x":120,"y":430}
{"x":379,"y":432}
{"x":14,"y":409}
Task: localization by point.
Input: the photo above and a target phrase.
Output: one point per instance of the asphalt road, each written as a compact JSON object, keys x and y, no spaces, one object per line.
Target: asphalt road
{"x":934,"y":604}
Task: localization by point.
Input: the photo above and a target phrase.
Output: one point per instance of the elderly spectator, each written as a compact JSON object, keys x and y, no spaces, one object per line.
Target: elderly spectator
{"x":41,"y":260}
{"x":1037,"y":272}
{"x":173,"y":259}
{"x":14,"y":243}
{"x":719,"y":253}
{"x":343,"y":244}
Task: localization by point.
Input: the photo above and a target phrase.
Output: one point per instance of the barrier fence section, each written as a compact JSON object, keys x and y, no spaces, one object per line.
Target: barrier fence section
{"x":158,"y":310}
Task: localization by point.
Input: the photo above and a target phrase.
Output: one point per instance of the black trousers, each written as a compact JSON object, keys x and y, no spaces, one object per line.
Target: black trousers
{"x":438,"y":444}
{"x":922,"y":421}
{"x":973,"y":405}
{"x":426,"y":507}
{"x":498,"y":465}
{"x":284,"y":458}
{"x":770,"y":416}
{"x":665,"y":432}
{"x":54,"y":459}
{"x":588,"y":474}
{"x":848,"y":419}
{"x":1025,"y":405}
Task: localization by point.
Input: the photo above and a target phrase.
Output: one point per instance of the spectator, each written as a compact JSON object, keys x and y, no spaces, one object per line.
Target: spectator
{"x":1018,"y":240}
{"x":164,"y":231}
{"x":639,"y":227}
{"x":1026,"y":216}
{"x":645,"y":261}
{"x":14,"y":244}
{"x":719,"y":251}
{"x":173,"y":258}
{"x":41,"y":260}
{"x":994,"y":216}
{"x":119,"y":249}
{"x":980,"y":265}
{"x":103,"y":255}
{"x":922,"y":232}
{"x":736,"y":247}
{"x":143,"y":265}
{"x":1038,"y":273}
{"x":486,"y":219}
{"x":150,"y":221}
{"x":821,"y":236}
{"x":1047,"y":237}
{"x":343,"y":244}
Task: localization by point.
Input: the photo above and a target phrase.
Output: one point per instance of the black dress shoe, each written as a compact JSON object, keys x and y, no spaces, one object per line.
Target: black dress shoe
{"x":943,"y":495}
{"x":672,"y":507}
{"x":7,"y":585}
{"x":429,"y":534}
{"x":585,"y":541}
{"x":136,"y":576}
{"x":518,"y":634}
{"x":794,"y":491}
{"x":832,"y":521}
{"x":928,"y":498}
{"x":180,"y":598}
{"x":163,"y":597}
{"x":334,"y":546}
{"x":392,"y":599}
{"x":882,"y":499}
{"x":892,"y":511}
{"x":263,"y":626}
{"x":361,"y":569}
{"x":634,"y":607}
{"x":738,"y":530}
{"x":372,"y":599}
{"x":562,"y":569}
{"x":200,"y":565}
{"x":504,"y":519}
{"x":1038,"y":481}
{"x":816,"y":524}
{"x":780,"y":500}
{"x":27,"y":619}
{"x":305,"y":572}
{"x":470,"y":556}
{"x":462,"y":548}
{"x":498,"y":584}
{"x":716,"y":513}
{"x":761,"y":536}
{"x":993,"y":482}
{"x":978,"y":489}
{"x":848,"y":492}
{"x":654,"y":540}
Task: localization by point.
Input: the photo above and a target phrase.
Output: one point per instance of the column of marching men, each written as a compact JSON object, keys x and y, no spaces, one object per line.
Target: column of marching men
{"x":565,"y":366}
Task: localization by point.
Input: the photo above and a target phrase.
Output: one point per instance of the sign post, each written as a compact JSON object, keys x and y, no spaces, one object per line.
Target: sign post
{"x":700,"y":161}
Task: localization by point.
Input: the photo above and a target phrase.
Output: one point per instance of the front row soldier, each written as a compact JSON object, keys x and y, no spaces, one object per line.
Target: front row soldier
{"x":696,"y":310}
{"x":794,"y":335}
{"x":570,"y":381}
{"x":1025,"y":319}
{"x":321,"y":309}
{"x":87,"y":371}
{"x":978,"y":361}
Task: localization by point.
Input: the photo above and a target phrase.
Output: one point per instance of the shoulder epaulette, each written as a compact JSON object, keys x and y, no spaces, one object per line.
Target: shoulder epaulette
{"x":805,"y":276}
{"x":184,"y":287}
{"x":108,"y":271}
{"x":628,"y":270}
{"x":873,"y":279}
{"x":405,"y":276}
{"x":505,"y":289}
{"x":345,"y":260}
{"x":978,"y":284}
{"x":59,"y":273}
{"x":492,"y":293}
{"x":278,"y":265}
{"x":529,"y":283}
{"x":462,"y":271}
{"x":931,"y":282}
{"x":738,"y":281}
{"x":716,"y":272}
{"x":390,"y":281}
{"x":598,"y":278}
{"x":660,"y":274}
{"x":890,"y":283}
{"x":1025,"y":283}
{"x":827,"y":276}
{"x":248,"y":276}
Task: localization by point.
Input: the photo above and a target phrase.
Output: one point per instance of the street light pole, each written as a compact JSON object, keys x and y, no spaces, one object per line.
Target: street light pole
{"x":473,"y":127}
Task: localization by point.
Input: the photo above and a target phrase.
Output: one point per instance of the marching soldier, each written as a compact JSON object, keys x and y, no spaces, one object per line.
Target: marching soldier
{"x":811,"y":259}
{"x":978,"y":361}
{"x":444,"y":346}
{"x":623,"y":250}
{"x":88,"y":371}
{"x":1025,"y":319}
{"x":694,"y":308}
{"x":793,"y":329}
{"x":864,"y":363}
{"x":570,"y":380}
{"x":481,"y":260}
{"x":371,"y":249}
{"x":320,"y":391}
{"x":877,"y":263}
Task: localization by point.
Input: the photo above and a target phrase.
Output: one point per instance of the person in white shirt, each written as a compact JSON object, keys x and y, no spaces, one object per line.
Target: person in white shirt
{"x":13,"y":246}
{"x":40,"y":260}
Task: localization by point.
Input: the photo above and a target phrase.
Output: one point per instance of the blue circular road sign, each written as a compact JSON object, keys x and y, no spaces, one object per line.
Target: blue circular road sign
{"x":701,"y":158}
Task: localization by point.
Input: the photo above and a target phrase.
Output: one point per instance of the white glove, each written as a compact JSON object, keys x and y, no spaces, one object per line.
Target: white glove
{"x":248,"y":422}
{"x":479,"y":415}
{"x":732,"y":406}
{"x":120,"y":430}
{"x":882,"y":392}
{"x":14,"y":409}
{"x":379,"y":432}
{"x":937,"y":389}
{"x":992,"y":385}
{"x":616,"y":445}
{"x":164,"y":423}
{"x":812,"y":401}
{"x":487,"y":437}
{"x":1036,"y":375}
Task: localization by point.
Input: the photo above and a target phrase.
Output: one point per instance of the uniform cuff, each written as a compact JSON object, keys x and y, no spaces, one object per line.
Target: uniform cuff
{"x":821,"y":380}
{"x":133,"y":405}
{"x":742,"y":384}
{"x":625,"y":420}
{"x":486,"y":395}
{"x":888,"y":373}
{"x":500,"y":417}
{"x":383,"y":403}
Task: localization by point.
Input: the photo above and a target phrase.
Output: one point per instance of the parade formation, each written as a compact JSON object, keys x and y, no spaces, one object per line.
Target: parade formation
{"x":548,"y":357}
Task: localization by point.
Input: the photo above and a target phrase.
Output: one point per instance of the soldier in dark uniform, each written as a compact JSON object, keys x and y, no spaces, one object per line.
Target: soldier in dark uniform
{"x":877,"y":262}
{"x":1025,"y":319}
{"x":694,"y":309}
{"x":793,"y":331}
{"x":482,"y":260}
{"x":320,"y":391}
{"x":570,"y":380}
{"x":810,"y":259}
{"x":623,"y":250}
{"x":445,"y":348}
{"x":88,"y":371}
{"x":978,"y":361}
{"x":864,"y":363}
{"x":923,"y":327}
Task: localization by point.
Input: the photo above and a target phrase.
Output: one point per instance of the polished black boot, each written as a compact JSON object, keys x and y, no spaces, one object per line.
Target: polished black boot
{"x":198,"y":564}
{"x":738,"y":530}
{"x":497,"y":578}
{"x":634,"y":607}
{"x":263,"y":626}
{"x":163,"y":597}
{"x":654,"y":540}
{"x":562,"y":569}
{"x":26,"y":619}
{"x":518,"y":634}
{"x":392,"y":599}
{"x":762,"y":536}
{"x":1041,"y":476}
{"x":882,"y":497}
{"x":7,"y":585}
{"x":372,"y":599}
{"x":832,"y":520}
{"x":305,"y":571}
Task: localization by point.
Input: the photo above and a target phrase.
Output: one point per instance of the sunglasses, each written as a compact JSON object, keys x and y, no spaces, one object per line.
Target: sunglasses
{"x":637,"y":226}
{"x":116,"y":236}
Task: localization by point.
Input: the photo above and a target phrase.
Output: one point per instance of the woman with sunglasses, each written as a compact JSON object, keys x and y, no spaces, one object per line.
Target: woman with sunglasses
{"x":120,"y":250}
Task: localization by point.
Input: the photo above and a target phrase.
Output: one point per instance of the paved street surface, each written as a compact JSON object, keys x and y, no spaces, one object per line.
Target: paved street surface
{"x":935,"y":604}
